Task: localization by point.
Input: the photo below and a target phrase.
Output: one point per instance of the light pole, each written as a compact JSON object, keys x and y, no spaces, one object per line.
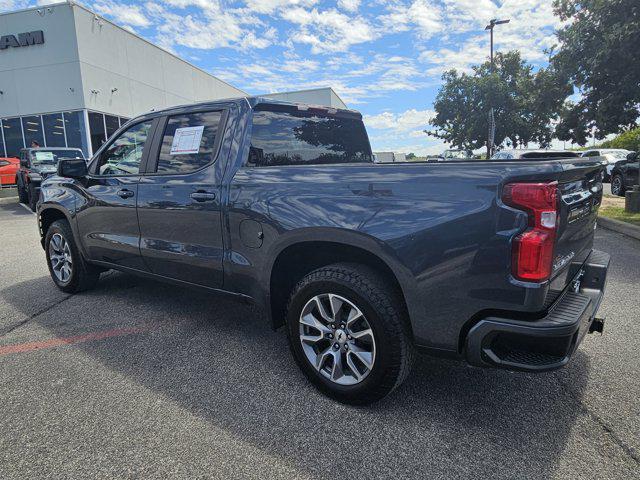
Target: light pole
{"x":492,"y":123}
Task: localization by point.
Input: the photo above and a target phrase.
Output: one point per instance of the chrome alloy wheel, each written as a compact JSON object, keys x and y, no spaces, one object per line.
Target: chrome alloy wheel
{"x":616,"y":185}
{"x":60,"y":258}
{"x":337,"y":339}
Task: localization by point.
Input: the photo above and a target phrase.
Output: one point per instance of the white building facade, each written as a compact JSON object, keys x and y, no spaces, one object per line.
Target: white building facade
{"x":70,"y":78}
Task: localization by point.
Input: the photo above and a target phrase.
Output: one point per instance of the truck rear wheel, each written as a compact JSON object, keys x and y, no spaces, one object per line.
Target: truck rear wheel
{"x":349,"y":334}
{"x":69,"y":271}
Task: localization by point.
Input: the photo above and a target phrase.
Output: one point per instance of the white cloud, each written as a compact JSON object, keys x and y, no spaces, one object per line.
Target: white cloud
{"x":405,"y":122}
{"x":423,"y":16}
{"x":328,"y":30}
{"x":216,"y":27}
{"x":270,"y":6}
{"x":402,"y":132}
{"x":530,"y":30}
{"x":349,"y":5}
{"x":123,"y":14}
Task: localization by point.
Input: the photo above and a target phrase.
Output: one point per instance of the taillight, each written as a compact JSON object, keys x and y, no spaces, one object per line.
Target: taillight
{"x":532,"y":254}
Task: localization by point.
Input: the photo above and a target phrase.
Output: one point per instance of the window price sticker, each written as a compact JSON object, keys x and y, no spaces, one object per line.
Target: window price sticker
{"x":186,"y":140}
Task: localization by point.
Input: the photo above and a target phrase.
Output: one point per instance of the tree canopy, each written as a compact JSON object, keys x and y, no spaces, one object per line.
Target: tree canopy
{"x":599,"y":55}
{"x":524,"y":101}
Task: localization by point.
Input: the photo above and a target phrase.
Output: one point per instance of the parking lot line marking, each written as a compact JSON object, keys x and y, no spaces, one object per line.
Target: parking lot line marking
{"x":26,"y":208}
{"x":56,"y":342}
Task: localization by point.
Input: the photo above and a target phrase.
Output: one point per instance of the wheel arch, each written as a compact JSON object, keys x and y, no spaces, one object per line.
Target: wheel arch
{"x":49,"y":214}
{"x":297,"y":258}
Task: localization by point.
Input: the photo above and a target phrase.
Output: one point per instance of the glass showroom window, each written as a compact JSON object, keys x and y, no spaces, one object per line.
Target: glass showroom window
{"x":76,"y":131}
{"x":112,"y":124}
{"x":54,"y":130}
{"x":3,"y":152}
{"x":12,"y":136}
{"x":96,"y":130}
{"x":32,"y":128}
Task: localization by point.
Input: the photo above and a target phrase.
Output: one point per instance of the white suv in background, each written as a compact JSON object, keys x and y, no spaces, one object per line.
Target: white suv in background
{"x":612,"y":155}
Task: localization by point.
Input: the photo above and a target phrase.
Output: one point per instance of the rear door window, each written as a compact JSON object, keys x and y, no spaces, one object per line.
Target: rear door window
{"x":189,"y":142}
{"x":288,"y":136}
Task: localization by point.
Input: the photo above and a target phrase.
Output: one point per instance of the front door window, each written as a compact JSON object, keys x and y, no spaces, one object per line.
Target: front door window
{"x":124,"y":155}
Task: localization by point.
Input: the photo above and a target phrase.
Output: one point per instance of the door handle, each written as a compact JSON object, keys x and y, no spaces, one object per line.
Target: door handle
{"x":202,"y":196}
{"x":124,"y":193}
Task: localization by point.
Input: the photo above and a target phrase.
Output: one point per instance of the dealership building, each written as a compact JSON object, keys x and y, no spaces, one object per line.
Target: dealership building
{"x":70,"y":78}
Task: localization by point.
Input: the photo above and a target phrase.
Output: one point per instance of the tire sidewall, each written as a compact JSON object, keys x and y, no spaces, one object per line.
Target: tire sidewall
{"x":621,"y":189}
{"x":22,"y":193}
{"x":56,"y":227}
{"x":383,"y":349}
{"x":33,"y":197}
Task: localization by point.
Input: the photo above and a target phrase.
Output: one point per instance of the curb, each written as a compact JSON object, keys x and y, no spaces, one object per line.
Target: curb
{"x":6,"y":200}
{"x":620,"y":227}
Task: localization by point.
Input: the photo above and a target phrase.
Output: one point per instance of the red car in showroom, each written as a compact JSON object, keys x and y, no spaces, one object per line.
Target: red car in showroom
{"x":8,"y":169}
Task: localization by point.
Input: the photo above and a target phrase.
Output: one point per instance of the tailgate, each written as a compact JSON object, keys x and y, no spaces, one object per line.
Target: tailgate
{"x":580,"y":196}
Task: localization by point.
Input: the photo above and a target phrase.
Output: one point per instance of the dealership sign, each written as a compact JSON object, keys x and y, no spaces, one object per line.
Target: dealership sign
{"x":22,"y":40}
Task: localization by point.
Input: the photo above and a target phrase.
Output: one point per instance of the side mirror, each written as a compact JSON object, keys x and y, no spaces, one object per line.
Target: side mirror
{"x":632,"y":156}
{"x":72,"y":167}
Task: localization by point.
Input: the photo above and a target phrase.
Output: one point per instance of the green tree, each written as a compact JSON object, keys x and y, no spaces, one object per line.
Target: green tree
{"x":524,"y":102}
{"x":629,"y":140}
{"x":600,"y":56}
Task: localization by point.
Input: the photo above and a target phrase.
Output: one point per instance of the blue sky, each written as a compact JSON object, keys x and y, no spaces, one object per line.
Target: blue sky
{"x":383,"y":57}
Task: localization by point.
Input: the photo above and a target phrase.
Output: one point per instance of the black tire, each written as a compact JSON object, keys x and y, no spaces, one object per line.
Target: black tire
{"x":23,"y":197}
{"x":33,"y":197}
{"x":385,"y":313}
{"x":83,"y":275}
{"x":617,"y":185}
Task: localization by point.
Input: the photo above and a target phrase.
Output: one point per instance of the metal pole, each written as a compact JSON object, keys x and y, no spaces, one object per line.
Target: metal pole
{"x":489,"y":142}
{"x":491,"y":32}
{"x":491,"y":133}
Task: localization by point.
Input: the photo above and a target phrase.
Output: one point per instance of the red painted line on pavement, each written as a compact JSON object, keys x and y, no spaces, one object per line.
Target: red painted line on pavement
{"x":56,"y":342}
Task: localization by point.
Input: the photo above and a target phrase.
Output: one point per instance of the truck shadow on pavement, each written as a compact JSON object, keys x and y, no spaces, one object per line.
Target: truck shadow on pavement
{"x":217,"y":358}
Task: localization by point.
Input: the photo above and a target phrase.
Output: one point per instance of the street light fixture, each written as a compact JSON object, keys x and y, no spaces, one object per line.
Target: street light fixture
{"x":492,"y":122}
{"x":493,"y":23}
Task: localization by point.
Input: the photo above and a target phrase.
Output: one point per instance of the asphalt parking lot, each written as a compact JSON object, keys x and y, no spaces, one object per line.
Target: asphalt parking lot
{"x":139,"y":379}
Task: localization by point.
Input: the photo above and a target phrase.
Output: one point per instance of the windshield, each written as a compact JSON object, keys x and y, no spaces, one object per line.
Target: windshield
{"x":51,"y":157}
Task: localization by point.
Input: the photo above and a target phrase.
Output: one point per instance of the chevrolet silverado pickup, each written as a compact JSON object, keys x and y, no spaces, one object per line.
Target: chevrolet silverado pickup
{"x":364,"y":264}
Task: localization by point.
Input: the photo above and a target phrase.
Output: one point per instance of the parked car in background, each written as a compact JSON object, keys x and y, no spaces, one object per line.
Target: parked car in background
{"x":384,"y":157}
{"x":362,"y":263}
{"x":625,"y":174}
{"x":451,"y":155}
{"x":540,"y":154}
{"x":456,"y":154}
{"x":8,"y":168}
{"x":612,"y":155}
{"x":36,"y":164}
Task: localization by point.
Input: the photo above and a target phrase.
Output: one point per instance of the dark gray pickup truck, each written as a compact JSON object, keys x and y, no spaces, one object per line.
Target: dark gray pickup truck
{"x":363,"y":263}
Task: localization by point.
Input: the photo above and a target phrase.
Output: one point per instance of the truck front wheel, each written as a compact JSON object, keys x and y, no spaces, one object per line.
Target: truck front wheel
{"x":33,"y":197}
{"x":69,"y":271}
{"x":23,"y":196}
{"x":349,"y":334}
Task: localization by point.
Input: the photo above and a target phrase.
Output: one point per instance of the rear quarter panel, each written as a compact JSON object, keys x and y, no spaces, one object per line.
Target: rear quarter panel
{"x":441,"y":228}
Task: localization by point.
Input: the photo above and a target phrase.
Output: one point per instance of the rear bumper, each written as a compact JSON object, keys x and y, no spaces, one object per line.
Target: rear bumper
{"x":547,"y":343}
